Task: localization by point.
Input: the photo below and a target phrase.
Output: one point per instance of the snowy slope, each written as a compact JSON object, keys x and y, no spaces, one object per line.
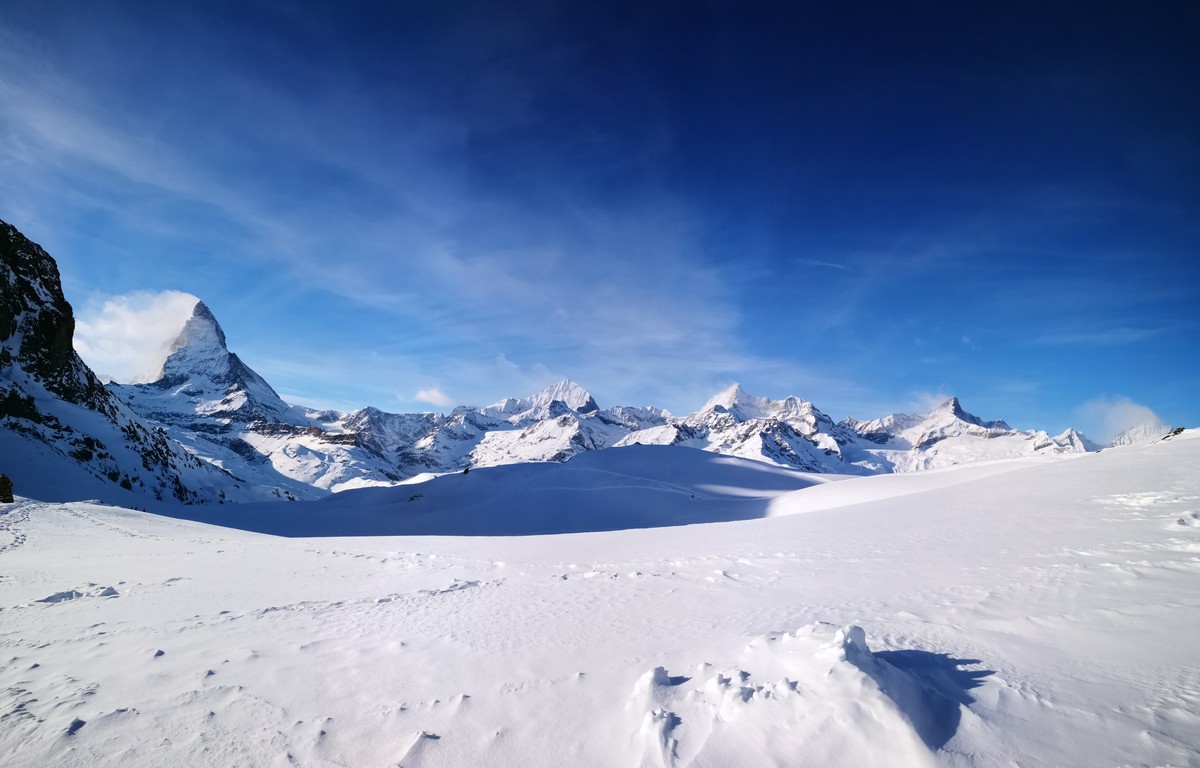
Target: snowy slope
{"x":945,"y":436}
{"x":1033,"y":612}
{"x":1142,"y":433}
{"x":206,"y":398}
{"x":62,"y":435}
{"x":635,"y":487}
{"x":526,"y":410}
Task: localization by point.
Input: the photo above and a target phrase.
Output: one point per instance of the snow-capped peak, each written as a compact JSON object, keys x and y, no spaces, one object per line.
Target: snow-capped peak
{"x":952,"y":410}
{"x":201,"y":377}
{"x":576,"y":397}
{"x":729,"y":398}
{"x":199,"y":348}
{"x":744,"y":407}
{"x":1146,"y":432}
{"x":569,"y":393}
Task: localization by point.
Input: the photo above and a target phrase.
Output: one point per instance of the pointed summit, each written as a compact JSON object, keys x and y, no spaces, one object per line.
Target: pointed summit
{"x":728,"y":398}
{"x":952,"y":409}
{"x":200,"y":376}
{"x":566,"y":391}
{"x":538,"y":406}
{"x":199,"y":348}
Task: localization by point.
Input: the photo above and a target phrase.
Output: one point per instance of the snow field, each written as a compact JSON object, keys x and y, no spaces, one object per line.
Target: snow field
{"x":1042,"y":615}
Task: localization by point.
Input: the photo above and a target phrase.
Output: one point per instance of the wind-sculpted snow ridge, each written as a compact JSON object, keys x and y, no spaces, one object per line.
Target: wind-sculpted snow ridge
{"x":817,"y":696}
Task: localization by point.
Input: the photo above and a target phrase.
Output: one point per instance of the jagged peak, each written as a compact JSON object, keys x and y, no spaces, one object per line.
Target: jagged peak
{"x":565,"y":391}
{"x":569,"y":393}
{"x":742,"y":406}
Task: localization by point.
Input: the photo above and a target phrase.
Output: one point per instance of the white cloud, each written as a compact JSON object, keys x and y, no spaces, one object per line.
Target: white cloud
{"x":1103,"y":418}
{"x":1101,"y":338}
{"x":124,"y":338}
{"x":434,"y":396}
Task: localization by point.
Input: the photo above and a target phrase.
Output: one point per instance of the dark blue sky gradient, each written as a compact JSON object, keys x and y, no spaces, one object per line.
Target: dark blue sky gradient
{"x":867,"y":205}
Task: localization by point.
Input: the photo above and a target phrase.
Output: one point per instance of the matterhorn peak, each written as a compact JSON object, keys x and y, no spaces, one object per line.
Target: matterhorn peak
{"x":198,"y":348}
{"x":208,"y":378}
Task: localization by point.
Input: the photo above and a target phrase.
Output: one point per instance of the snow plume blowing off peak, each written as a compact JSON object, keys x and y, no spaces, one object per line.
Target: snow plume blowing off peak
{"x":1120,"y":421}
{"x":127,"y":338}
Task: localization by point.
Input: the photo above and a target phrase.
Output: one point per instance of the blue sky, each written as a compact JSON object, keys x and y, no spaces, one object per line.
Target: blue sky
{"x":414,"y":204}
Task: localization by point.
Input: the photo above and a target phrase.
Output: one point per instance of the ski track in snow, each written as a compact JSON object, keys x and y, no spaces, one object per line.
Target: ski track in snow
{"x":1040,"y":617}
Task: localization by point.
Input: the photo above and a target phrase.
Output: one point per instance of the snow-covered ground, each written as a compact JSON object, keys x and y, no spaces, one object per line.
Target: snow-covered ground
{"x":1037,"y":612}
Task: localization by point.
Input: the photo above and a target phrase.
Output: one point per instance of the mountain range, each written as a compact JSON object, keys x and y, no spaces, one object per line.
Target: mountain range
{"x":209,"y":429}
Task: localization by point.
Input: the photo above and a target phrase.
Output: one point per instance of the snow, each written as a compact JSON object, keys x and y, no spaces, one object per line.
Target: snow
{"x":522,"y":411}
{"x":1036,"y":612}
{"x":1142,"y":433}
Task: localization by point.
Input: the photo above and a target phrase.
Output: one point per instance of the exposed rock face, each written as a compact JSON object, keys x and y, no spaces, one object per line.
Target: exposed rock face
{"x":49,"y":397}
{"x":37,"y":325}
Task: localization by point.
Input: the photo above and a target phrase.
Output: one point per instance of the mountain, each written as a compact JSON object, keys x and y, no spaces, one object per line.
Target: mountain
{"x":789,"y":432}
{"x":204,"y":385}
{"x":554,"y":424}
{"x":1147,"y":432}
{"x":526,"y":410}
{"x":64,"y":435}
{"x":793,"y":432}
{"x":207,"y":399}
{"x":210,"y":428}
{"x":944,"y":436}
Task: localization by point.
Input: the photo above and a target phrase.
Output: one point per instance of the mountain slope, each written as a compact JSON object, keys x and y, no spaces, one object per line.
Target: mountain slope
{"x":210,"y":427}
{"x":64,"y":435}
{"x":944,"y":436}
{"x":209,"y":400}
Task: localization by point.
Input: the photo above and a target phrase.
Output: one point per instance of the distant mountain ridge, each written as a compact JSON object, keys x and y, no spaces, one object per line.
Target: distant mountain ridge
{"x":209,"y":428}
{"x":211,"y":402}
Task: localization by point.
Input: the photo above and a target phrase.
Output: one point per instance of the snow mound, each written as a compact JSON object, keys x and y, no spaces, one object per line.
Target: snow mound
{"x":819,"y":695}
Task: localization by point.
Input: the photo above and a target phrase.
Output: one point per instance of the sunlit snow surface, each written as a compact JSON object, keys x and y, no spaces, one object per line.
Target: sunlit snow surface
{"x":1033,"y":613}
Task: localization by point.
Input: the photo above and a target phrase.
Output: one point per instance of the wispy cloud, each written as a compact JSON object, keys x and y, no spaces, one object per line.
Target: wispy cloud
{"x":1098,"y":338}
{"x":1103,"y":418}
{"x":819,"y":263}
